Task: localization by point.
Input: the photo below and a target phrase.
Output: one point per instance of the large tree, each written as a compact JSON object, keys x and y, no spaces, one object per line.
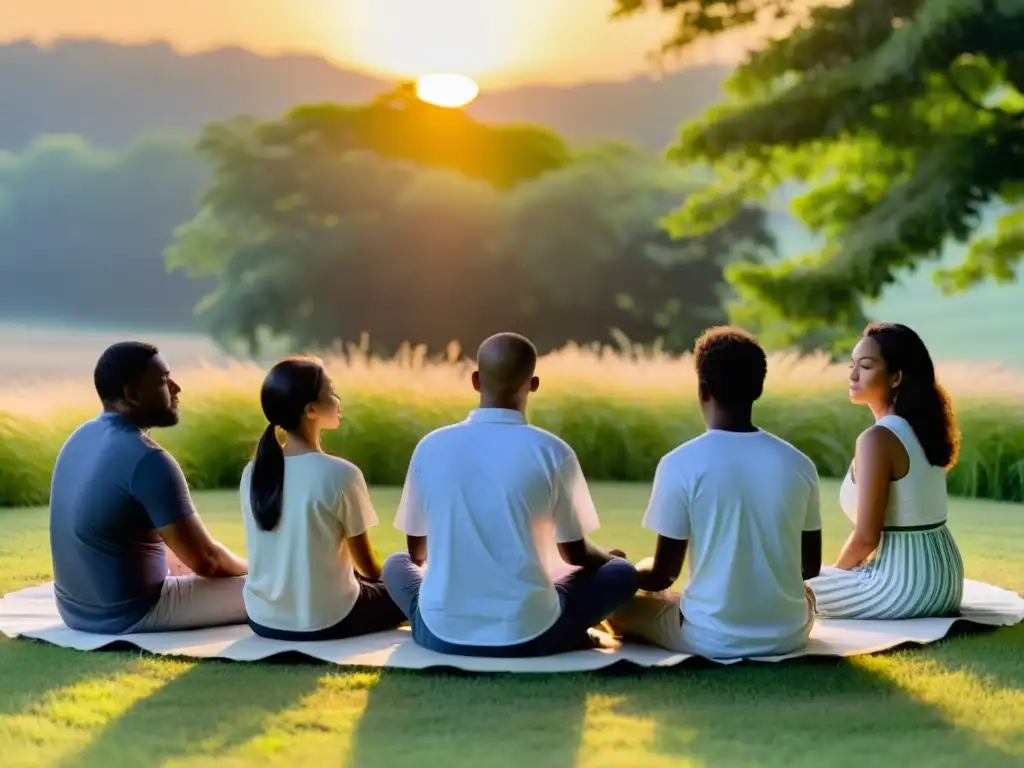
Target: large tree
{"x":902,"y":122}
{"x":310,"y":221}
{"x":318,"y":232}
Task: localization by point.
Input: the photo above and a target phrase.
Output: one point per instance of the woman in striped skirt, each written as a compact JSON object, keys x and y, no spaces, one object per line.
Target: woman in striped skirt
{"x":900,"y":561}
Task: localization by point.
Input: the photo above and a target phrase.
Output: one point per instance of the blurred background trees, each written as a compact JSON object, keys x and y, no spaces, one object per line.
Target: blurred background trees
{"x":414,"y":223}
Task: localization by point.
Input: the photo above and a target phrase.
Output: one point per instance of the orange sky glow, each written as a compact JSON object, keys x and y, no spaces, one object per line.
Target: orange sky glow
{"x":497,"y":42}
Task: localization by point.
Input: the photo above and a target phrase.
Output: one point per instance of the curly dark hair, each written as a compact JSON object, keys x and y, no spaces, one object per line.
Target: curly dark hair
{"x":731,"y":366}
{"x":918,"y":397}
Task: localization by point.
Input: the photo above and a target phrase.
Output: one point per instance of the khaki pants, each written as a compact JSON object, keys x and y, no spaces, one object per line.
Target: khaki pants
{"x":194,"y":602}
{"x":655,"y":618}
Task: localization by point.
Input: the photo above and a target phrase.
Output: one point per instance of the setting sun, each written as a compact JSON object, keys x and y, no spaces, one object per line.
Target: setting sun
{"x":446,"y":89}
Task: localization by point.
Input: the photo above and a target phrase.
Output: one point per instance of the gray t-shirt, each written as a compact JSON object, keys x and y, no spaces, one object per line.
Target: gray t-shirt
{"x":113,"y":486}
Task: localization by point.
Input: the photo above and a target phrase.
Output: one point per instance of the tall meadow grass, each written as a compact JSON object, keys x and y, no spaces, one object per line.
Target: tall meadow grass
{"x":620,"y":409}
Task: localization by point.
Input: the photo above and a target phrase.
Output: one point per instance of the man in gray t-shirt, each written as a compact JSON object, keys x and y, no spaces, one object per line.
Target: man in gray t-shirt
{"x":119,"y":505}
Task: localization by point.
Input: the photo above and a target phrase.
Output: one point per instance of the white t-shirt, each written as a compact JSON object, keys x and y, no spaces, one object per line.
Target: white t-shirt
{"x":300,"y":576}
{"x":742,"y":501}
{"x":493,"y":495}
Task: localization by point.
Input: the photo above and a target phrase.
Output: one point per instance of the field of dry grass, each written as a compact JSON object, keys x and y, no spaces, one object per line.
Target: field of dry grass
{"x":620,"y":409}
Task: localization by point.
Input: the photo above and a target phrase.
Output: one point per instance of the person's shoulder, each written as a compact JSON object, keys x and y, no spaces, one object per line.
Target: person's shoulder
{"x":883,"y":438}
{"x":438,"y":434}
{"x":559,"y":451}
{"x":246,"y":477}
{"x":694,"y":448}
{"x":151,"y":455}
{"x":548,"y":438}
{"x":441,"y":439}
{"x":133,"y":447}
{"x":790,"y":452}
{"x":338,"y":470}
{"x":148,"y":464}
{"x":86,"y":429}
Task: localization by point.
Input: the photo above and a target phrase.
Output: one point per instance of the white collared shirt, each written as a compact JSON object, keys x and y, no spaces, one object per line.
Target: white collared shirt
{"x":493,"y":495}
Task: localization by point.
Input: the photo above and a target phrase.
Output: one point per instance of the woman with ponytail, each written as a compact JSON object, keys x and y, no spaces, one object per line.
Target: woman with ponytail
{"x":313,"y":574}
{"x":900,"y":561}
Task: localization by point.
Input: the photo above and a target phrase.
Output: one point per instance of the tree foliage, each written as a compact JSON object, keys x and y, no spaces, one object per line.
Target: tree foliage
{"x":319,"y":229}
{"x":901,"y":120}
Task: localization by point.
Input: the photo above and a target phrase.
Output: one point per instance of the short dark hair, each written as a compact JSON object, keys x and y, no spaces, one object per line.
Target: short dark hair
{"x":505,"y":362}
{"x":731,"y":366}
{"x":121,"y":365}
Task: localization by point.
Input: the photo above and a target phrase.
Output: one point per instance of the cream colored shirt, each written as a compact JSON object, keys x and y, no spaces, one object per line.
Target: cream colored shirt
{"x":301,"y":577}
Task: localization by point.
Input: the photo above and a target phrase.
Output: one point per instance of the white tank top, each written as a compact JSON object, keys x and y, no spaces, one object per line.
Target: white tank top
{"x":917,"y":499}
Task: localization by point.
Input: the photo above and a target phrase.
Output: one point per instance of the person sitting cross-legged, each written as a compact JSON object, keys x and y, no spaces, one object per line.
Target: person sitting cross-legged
{"x":313,"y":574}
{"x":487,"y":503}
{"x":130,"y":553}
{"x":900,"y":560}
{"x":744,"y":505}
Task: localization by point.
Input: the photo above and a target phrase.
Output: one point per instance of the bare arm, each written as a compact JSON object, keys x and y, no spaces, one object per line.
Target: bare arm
{"x":584,"y":554}
{"x":873,"y":468}
{"x":810,"y":554}
{"x":174,"y":565}
{"x":364,"y":558}
{"x":417,"y":549}
{"x":192,"y":544}
{"x":159,"y":485}
{"x":661,"y":572}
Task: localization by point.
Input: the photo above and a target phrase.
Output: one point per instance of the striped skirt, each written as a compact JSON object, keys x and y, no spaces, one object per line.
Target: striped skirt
{"x":914,"y":574}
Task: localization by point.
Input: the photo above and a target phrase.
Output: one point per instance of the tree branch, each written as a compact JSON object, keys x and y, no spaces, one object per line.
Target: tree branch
{"x":966,"y":97}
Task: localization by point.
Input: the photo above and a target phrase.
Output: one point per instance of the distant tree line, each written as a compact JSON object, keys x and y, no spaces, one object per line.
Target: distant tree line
{"x":80,"y":226}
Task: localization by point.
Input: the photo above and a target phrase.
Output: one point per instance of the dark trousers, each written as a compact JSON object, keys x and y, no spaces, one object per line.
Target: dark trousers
{"x":587,"y":598}
{"x":374,"y":611}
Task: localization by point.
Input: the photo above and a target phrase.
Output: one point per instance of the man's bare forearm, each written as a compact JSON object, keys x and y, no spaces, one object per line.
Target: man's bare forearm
{"x":224,"y":564}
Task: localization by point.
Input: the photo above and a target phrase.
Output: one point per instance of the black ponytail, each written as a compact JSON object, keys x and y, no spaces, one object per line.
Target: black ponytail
{"x":289,"y":387}
{"x":267,"y":480}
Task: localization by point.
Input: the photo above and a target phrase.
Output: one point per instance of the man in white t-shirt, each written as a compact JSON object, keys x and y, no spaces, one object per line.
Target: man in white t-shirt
{"x":499,"y":511}
{"x":746,"y":505}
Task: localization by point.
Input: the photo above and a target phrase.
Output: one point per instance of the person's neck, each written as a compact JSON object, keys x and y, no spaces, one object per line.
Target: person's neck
{"x":301,"y":442}
{"x":724,"y":421}
{"x":125,"y":415}
{"x":507,"y":404}
{"x":881,"y":411}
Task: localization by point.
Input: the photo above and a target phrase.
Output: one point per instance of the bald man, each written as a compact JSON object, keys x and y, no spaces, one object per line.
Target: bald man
{"x":485,"y":504}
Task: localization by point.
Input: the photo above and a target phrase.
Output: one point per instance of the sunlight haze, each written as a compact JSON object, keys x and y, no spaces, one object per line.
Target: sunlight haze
{"x":498,"y":43}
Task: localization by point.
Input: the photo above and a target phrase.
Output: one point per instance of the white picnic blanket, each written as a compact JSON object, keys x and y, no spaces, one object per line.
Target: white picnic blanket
{"x":32,"y":613}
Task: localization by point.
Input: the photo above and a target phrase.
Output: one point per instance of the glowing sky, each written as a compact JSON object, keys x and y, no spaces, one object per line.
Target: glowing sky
{"x":498,"y":42}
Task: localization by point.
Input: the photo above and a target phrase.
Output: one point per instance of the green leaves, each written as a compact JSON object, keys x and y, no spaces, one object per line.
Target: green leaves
{"x":992,"y":257}
{"x":902,"y":123}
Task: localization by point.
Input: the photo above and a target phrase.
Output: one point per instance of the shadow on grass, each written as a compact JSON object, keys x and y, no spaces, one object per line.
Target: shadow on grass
{"x":830,"y":711}
{"x":472,"y":720}
{"x":811,"y":712}
{"x":209,"y":709}
{"x":30,"y":670}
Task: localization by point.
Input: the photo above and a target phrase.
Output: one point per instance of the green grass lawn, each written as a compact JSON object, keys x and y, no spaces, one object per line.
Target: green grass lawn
{"x":957,"y":703}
